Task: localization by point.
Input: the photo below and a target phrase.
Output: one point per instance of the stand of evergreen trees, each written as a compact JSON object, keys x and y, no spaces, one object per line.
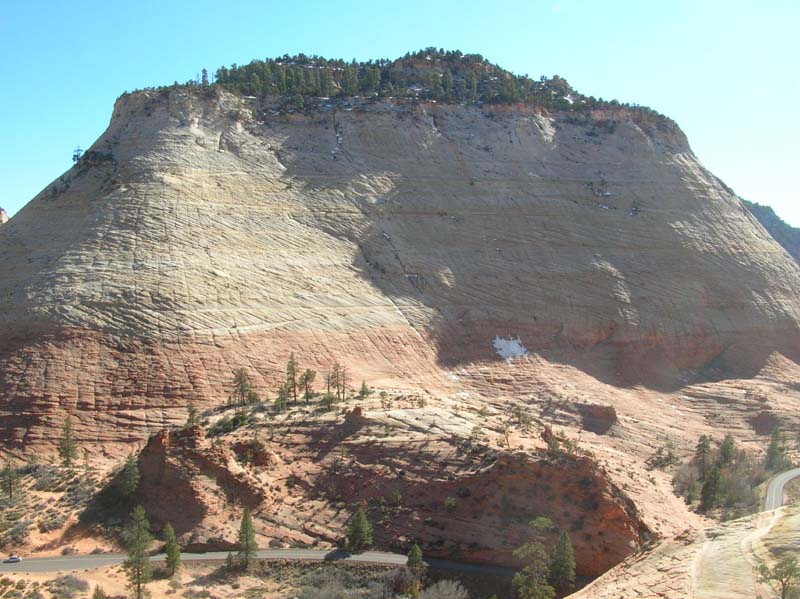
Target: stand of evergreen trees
{"x":448,"y":76}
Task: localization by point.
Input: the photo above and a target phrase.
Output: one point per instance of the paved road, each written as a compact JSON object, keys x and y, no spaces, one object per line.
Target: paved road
{"x":774,"y":497}
{"x":85,"y":562}
{"x":772,"y":500}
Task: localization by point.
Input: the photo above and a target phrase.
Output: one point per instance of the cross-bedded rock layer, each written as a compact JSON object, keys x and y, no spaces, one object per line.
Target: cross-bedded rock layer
{"x":202,"y":233}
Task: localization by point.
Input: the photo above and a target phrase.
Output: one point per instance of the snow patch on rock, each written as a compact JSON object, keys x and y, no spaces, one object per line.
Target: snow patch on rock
{"x":508,"y":349}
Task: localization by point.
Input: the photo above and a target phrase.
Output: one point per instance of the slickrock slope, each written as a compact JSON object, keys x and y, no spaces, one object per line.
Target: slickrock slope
{"x":199,"y":235}
{"x":720,"y":562}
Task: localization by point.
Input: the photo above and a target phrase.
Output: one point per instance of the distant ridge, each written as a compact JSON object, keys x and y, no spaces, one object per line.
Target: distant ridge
{"x":785,"y":234}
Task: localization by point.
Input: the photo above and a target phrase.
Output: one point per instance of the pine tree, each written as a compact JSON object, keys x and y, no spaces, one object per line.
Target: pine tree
{"x":280,"y":79}
{"x":67,"y":448}
{"x":267,"y":78}
{"x":291,"y":377}
{"x":204,"y":80}
{"x":461,"y":90}
{"x":129,"y":477}
{"x":137,"y":539}
{"x":447,"y":84}
{"x":172,"y":551}
{"x":343,"y":383}
{"x":472,"y":85}
{"x":335,"y":380}
{"x":306,"y":380}
{"x":248,"y":552}
{"x":709,"y":495}
{"x":9,"y":478}
{"x":562,"y":565}
{"x":359,"y":532}
{"x":727,"y":450}
{"x":702,"y":455}
{"x":191,"y":415}
{"x":325,"y":83}
{"x":364,"y":391}
{"x":415,"y":562}
{"x":531,"y":581}
{"x":775,"y":456}
{"x":241,"y":387}
{"x":350,"y":83}
{"x":253,"y":397}
{"x":282,"y":398}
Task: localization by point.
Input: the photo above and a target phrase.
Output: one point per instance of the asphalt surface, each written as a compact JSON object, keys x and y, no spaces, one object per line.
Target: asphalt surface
{"x":774,"y":497}
{"x":86,"y":562}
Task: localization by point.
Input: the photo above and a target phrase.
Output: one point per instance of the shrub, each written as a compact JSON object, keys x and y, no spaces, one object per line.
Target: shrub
{"x":445,"y":589}
{"x":53,"y":522}
{"x":67,"y":586}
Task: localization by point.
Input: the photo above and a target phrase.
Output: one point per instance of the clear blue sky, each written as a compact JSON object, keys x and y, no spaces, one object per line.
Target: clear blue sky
{"x":726,"y":71}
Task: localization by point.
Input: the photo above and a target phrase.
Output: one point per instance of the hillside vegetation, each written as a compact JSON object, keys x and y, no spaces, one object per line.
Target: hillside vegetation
{"x":430,"y":74}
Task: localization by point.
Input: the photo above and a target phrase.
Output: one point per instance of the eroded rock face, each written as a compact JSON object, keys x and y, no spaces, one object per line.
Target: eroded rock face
{"x":200,"y":487}
{"x":200,"y":235}
{"x":186,"y":480}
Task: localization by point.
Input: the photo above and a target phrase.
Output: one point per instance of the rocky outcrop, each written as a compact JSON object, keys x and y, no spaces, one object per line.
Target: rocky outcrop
{"x":3,"y":217}
{"x":478,"y":512}
{"x":483,"y":517}
{"x":597,"y":418}
{"x":185,"y":479}
{"x":204,"y":232}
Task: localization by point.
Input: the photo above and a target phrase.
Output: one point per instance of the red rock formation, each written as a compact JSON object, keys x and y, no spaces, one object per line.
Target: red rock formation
{"x":185,"y":479}
{"x":492,"y":508}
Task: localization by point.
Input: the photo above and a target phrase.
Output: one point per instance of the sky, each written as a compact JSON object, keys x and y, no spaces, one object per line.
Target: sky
{"x":726,"y":71}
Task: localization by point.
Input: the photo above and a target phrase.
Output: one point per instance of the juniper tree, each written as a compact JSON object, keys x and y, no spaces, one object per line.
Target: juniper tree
{"x":786,"y":573}
{"x":67,"y":447}
{"x":137,"y":539}
{"x":248,"y":551}
{"x":99,"y":593}
{"x":172,"y":551}
{"x":359,"y":531}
